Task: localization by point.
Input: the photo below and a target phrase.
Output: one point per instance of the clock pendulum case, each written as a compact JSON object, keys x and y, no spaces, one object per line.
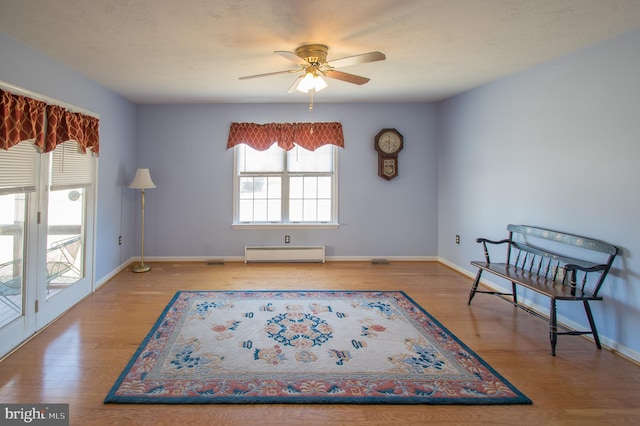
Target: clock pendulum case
{"x":388,"y":143}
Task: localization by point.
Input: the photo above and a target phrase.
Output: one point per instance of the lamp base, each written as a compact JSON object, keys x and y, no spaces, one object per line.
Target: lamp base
{"x":141,"y":268}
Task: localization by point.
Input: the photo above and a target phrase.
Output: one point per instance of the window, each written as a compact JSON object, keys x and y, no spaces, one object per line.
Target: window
{"x":285,"y":187}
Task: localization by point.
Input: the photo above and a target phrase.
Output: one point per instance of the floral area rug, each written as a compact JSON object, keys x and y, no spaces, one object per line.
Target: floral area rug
{"x":346,"y":347}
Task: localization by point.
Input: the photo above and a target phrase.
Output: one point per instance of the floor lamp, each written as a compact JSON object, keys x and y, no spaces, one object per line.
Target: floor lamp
{"x":142,"y":181}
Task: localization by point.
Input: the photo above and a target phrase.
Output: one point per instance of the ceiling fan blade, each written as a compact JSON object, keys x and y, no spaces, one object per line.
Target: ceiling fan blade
{"x":292,"y":57}
{"x":267,"y":74}
{"x":294,"y":86}
{"x":357,"y":59}
{"x":349,"y":78}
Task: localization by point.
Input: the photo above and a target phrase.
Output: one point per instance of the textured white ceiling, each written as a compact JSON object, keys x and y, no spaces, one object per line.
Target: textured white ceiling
{"x":173,"y":51}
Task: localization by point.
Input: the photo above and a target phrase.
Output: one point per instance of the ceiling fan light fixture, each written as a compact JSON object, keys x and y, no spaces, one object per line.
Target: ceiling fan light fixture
{"x":311,"y":81}
{"x":306,"y":83}
{"x":319,"y":83}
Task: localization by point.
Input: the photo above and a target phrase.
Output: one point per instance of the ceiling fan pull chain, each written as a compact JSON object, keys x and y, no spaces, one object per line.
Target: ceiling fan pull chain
{"x":312,"y":91}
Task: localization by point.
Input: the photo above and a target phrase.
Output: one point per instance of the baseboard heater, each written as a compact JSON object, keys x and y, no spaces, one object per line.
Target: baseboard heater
{"x":284,"y":254}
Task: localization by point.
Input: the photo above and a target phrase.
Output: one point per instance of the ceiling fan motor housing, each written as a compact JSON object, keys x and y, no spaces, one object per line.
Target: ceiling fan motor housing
{"x":313,"y":53}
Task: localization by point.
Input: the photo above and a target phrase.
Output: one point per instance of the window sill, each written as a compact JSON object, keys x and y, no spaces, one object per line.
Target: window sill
{"x":285,"y":226}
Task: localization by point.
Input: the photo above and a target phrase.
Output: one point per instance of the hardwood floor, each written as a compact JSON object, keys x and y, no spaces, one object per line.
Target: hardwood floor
{"x":77,"y":359}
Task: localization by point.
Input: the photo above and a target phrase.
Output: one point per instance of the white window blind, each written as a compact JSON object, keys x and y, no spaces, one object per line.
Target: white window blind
{"x":18,"y":168}
{"x":71,"y":168}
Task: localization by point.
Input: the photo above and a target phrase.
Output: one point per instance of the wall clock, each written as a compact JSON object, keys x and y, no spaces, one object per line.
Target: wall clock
{"x":388,"y":143}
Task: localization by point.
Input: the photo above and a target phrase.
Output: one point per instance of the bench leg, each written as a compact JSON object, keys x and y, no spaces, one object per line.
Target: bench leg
{"x":474,"y":287}
{"x":553,"y":327}
{"x":594,"y":331}
{"x":515,"y":295}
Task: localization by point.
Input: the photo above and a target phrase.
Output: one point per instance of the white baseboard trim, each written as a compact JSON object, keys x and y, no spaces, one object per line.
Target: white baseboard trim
{"x":241,"y":259}
{"x":455,"y":267}
{"x":389,"y":258}
{"x":189,"y":259}
{"x":112,"y":274}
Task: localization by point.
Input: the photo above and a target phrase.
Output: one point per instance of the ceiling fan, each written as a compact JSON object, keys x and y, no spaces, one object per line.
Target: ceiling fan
{"x":312,"y":66}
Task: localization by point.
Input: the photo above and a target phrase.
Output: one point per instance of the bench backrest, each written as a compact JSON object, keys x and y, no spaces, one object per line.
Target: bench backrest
{"x":553,"y":254}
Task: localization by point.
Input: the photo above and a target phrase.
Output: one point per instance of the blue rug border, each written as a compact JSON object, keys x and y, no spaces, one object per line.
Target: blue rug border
{"x":111,"y":397}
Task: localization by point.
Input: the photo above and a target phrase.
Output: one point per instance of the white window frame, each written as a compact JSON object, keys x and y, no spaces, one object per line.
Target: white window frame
{"x":284,"y":223}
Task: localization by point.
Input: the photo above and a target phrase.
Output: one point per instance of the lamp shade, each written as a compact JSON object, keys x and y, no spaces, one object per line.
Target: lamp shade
{"x":142,"y":180}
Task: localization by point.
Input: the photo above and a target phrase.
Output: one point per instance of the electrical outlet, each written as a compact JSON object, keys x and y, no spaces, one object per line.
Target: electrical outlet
{"x":457,"y":239}
{"x":287,"y":239}
{"x":120,"y":240}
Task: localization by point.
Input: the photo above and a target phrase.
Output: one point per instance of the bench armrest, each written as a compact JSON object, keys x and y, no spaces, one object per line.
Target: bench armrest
{"x":485,"y":241}
{"x":571,"y":270}
{"x":573,"y":267}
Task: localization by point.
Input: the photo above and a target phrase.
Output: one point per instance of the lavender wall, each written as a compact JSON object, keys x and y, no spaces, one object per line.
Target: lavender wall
{"x":555,"y":146}
{"x":190,"y":213}
{"x":24,"y":67}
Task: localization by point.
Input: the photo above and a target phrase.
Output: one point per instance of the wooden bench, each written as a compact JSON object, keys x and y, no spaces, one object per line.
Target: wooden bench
{"x":561,"y":266}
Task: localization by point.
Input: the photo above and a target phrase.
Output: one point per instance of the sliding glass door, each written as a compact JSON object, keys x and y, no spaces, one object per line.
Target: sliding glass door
{"x":19,"y":169}
{"x":46,"y":236}
{"x":12,"y":245}
{"x":67,"y":240}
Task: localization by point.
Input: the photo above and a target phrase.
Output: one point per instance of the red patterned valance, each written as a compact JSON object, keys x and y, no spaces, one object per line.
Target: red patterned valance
{"x":63,"y":125}
{"x":21,"y":119}
{"x":306,"y":135}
